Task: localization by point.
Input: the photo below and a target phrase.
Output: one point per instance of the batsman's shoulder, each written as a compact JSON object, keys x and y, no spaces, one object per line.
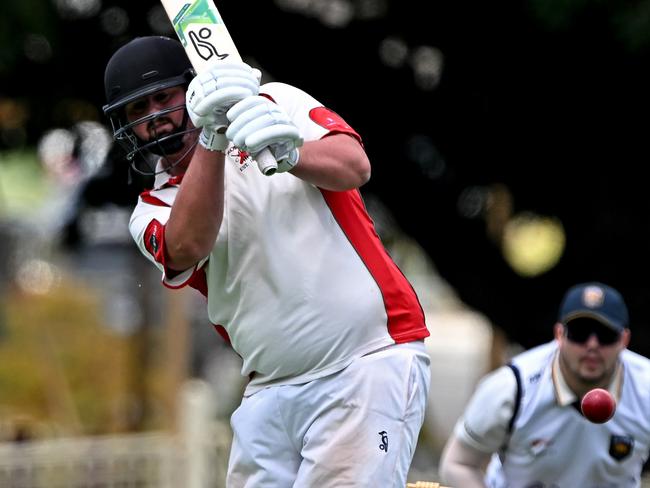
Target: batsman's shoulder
{"x":278,"y":88}
{"x":287,"y":95}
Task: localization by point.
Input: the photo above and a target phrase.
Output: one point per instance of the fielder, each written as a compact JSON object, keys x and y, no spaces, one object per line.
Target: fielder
{"x":329,"y":330}
{"x":525,"y":419}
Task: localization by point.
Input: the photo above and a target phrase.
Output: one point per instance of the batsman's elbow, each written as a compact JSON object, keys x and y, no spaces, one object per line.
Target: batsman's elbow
{"x":184,"y":255}
{"x":350,"y":175}
{"x":360,"y":170}
{"x":362,"y":177}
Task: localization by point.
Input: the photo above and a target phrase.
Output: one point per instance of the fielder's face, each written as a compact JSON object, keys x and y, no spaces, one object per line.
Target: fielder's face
{"x":589,"y":351}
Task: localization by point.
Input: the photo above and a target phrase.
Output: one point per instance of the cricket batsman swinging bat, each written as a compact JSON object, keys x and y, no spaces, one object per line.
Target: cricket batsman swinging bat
{"x":202,"y":32}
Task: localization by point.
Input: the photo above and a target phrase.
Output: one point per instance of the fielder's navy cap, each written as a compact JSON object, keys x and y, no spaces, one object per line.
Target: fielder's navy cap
{"x":595,"y":301}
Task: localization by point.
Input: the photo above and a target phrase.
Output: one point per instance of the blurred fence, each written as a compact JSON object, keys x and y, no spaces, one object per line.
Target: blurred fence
{"x":159,"y":460}
{"x":195,"y":456}
{"x":151,"y":460}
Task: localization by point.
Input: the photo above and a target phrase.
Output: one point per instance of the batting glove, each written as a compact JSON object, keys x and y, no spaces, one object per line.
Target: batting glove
{"x":211,"y":93}
{"x":256,"y":123}
{"x":213,"y":140}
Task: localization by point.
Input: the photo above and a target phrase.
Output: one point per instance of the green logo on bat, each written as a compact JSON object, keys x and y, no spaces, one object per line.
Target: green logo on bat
{"x":198,"y":12}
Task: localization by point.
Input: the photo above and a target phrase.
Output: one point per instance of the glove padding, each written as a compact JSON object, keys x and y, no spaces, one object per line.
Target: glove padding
{"x":211,"y":93}
{"x":256,"y":123}
{"x":213,"y":140}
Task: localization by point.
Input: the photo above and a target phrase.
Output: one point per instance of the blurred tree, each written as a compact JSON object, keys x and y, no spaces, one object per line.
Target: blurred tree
{"x":21,"y":24}
{"x":59,"y":364}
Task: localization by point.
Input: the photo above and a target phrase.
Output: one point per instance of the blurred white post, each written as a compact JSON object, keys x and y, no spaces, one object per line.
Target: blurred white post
{"x":460,"y":347}
{"x":196,"y":417}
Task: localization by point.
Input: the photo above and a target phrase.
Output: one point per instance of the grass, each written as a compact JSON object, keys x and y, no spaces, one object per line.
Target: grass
{"x":24,"y":186}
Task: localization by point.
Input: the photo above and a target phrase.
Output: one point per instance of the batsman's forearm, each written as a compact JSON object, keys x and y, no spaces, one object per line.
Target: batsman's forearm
{"x":337,"y":162}
{"x":197,"y":212}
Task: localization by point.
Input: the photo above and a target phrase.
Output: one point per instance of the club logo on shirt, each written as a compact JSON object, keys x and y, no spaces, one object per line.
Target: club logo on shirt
{"x":241,"y":158}
{"x":539,"y":446}
{"x":620,"y":446}
{"x":153,"y":239}
{"x":153,"y":243}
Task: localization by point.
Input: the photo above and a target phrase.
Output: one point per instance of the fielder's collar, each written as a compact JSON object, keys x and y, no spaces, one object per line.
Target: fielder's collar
{"x":565,"y":396}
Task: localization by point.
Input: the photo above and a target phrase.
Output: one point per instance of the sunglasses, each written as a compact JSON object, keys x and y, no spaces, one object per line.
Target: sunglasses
{"x":580,"y":330}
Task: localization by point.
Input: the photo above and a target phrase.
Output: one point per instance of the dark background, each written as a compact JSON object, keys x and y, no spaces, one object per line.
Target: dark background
{"x":547,"y":98}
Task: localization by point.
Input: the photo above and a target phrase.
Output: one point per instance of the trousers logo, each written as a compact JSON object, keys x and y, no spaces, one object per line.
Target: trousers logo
{"x":384,"y":441}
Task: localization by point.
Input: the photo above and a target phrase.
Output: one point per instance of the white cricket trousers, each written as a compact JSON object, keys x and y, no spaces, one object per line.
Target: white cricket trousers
{"x":356,"y":428}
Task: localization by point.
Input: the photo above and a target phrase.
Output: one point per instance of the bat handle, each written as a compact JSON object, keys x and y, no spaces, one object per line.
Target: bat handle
{"x":266,"y":162}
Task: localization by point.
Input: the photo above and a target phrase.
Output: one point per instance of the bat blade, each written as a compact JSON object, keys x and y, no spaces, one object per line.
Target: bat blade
{"x":202,"y":32}
{"x":206,"y":40}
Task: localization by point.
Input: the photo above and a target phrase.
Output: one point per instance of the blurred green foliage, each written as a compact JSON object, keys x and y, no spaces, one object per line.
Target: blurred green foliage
{"x":58,"y":364}
{"x":23,"y":186}
{"x":62,"y":370}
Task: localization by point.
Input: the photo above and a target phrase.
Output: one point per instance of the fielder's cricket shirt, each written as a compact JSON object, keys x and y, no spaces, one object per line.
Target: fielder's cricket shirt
{"x":552,"y":445}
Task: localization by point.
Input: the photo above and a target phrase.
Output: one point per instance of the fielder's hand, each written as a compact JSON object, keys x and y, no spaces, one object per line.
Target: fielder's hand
{"x":210,"y":95}
{"x":257,"y":122}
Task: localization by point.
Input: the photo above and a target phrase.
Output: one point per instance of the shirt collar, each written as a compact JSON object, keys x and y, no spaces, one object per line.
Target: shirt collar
{"x":163,"y":178}
{"x":565,"y":396}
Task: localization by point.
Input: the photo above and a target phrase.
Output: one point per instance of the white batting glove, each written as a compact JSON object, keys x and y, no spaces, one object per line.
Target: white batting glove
{"x":211,"y":93}
{"x":256,"y":123}
{"x":213,"y":140}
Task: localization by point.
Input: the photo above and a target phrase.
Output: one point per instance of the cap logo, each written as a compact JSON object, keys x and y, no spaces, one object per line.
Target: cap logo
{"x":593,"y":296}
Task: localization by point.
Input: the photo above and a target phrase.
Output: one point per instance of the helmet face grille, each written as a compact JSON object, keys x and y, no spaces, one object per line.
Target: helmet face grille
{"x":144,"y":155}
{"x":141,"y":67}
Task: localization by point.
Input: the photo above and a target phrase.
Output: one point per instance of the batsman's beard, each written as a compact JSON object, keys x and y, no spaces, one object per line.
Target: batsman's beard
{"x":169,"y":143}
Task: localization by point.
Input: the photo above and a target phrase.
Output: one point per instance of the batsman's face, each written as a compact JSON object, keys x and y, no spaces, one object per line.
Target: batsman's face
{"x":162,"y":125}
{"x":589,"y":362}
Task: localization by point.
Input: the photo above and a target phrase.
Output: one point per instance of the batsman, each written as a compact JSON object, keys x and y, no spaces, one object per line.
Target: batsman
{"x":330,"y":332}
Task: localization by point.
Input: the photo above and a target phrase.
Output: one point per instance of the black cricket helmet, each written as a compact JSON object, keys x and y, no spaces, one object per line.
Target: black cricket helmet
{"x":141,"y":67}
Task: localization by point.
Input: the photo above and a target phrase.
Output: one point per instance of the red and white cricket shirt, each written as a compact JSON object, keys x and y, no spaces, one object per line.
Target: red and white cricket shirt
{"x":298,"y":278}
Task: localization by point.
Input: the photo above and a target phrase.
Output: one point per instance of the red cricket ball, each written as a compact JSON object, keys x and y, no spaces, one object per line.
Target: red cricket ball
{"x":598,"y":405}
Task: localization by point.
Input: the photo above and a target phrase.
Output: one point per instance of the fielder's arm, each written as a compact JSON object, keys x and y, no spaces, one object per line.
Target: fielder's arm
{"x":462,"y":465}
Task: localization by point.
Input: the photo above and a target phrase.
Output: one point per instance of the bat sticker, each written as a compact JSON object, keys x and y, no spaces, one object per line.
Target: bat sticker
{"x":205,"y":38}
{"x":198,"y":12}
{"x":202,"y":45}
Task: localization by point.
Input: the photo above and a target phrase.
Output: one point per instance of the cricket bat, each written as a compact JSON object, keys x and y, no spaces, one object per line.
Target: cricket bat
{"x":206,"y":40}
